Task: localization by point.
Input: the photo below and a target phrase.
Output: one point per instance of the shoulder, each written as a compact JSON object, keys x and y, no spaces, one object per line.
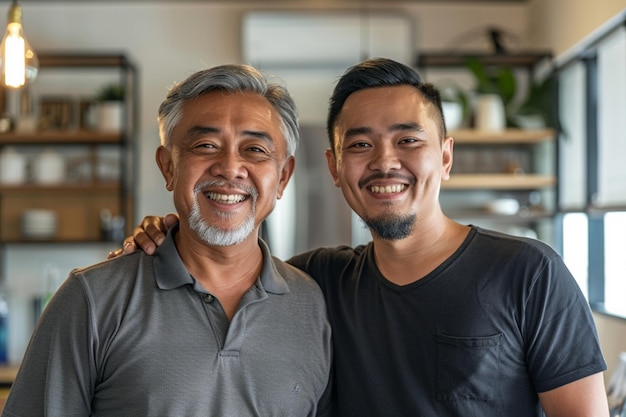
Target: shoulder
{"x":328,"y":256}
{"x":327,"y":264}
{"x":114,"y":275}
{"x":530,"y":262}
{"x":497,"y":243}
{"x":295,"y":277}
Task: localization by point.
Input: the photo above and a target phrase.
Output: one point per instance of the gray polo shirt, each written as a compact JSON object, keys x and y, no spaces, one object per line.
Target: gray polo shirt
{"x":138,"y":336}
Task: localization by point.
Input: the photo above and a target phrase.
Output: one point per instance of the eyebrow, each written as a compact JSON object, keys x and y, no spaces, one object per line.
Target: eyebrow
{"x":197,"y":131}
{"x":396,"y":127}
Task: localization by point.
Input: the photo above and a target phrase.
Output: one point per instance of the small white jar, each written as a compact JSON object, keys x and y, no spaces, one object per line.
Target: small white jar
{"x":49,"y":167}
{"x":12,"y":167}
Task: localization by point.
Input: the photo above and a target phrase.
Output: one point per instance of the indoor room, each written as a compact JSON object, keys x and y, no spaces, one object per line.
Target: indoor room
{"x":533,"y":93}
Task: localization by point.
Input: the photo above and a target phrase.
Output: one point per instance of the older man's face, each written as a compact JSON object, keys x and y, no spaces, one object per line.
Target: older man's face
{"x":227,"y":163}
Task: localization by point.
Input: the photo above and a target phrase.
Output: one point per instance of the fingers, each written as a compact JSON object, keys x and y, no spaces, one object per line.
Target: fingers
{"x":151,"y":231}
{"x":142,"y":240}
{"x":149,"y":234}
{"x":130,"y":246}
{"x":170,"y":220}
{"x":115,"y":253}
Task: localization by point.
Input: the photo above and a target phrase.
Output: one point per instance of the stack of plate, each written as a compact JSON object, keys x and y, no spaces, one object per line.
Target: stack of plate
{"x":39,"y":224}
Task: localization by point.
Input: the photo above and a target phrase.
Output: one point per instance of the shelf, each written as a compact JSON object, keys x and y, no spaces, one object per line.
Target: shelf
{"x":7,"y":375}
{"x":77,"y":210}
{"x":82,"y":60}
{"x":498,"y":182}
{"x":459,"y":59}
{"x":29,"y":242}
{"x":524,"y":215}
{"x":506,"y":137}
{"x":83,"y":187}
{"x":74,"y":137}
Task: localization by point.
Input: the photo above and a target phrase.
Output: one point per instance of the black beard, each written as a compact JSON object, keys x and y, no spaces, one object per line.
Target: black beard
{"x":392,"y":227}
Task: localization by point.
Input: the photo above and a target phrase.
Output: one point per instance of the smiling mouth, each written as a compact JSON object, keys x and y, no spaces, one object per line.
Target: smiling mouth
{"x":386,"y":189}
{"x":226,"y":198}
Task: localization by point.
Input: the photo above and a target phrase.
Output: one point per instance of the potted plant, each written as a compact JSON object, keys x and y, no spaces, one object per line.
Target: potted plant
{"x":110,"y":108}
{"x":495,"y":90}
{"x":535,"y":111}
{"x":111,"y":92}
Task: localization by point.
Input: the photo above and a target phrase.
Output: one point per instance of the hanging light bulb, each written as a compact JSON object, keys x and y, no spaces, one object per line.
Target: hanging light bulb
{"x":18,"y":61}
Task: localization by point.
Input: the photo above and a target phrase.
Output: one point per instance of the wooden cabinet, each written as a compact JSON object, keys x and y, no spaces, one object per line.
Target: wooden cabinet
{"x":99,"y":166}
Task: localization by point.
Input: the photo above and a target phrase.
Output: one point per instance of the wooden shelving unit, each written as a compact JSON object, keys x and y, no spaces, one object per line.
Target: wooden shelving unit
{"x":78,"y":200}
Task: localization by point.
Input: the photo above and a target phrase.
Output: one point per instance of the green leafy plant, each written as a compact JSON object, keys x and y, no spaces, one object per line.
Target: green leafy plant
{"x":539,"y":102}
{"x":111,"y":92}
{"x":498,"y":80}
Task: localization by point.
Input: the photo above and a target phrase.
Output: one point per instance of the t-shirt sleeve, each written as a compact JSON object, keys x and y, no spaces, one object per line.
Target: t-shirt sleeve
{"x":315,"y":263}
{"x":560,"y":333}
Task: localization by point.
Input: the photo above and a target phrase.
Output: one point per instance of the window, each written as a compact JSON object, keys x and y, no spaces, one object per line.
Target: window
{"x":592,"y":169}
{"x":615,"y":262}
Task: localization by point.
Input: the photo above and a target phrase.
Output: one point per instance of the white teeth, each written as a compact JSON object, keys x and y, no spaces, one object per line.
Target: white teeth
{"x":226,"y":198}
{"x":388,"y":188}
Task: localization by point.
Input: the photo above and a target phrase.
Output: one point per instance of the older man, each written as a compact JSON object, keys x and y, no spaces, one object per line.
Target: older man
{"x":212,"y":325}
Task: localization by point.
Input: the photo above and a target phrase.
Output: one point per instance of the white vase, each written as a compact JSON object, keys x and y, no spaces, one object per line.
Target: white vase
{"x":109,"y":116}
{"x":490,"y":114}
{"x":12,"y":166}
{"x":49,"y":167}
{"x":452,"y":114}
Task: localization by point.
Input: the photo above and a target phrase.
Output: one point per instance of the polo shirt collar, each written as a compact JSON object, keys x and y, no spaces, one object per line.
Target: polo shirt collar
{"x":170,"y":272}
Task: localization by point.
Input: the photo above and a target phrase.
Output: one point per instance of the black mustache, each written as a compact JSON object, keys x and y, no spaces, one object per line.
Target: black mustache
{"x":385,"y":175}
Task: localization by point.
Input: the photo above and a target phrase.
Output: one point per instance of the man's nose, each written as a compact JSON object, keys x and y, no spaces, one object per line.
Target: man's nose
{"x":384,"y":159}
{"x":229,"y":165}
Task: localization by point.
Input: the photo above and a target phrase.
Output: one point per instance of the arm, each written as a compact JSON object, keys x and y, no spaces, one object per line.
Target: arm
{"x":147,"y":236}
{"x":585,"y":397}
{"x":58,"y":373}
{"x":564,"y":357}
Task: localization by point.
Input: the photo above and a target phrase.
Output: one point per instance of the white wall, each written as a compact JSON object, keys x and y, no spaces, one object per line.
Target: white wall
{"x":562,"y":24}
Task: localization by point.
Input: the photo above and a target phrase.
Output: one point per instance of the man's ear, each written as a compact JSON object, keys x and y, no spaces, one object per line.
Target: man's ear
{"x":166,"y":166}
{"x":447,"y":157}
{"x":332,"y":166}
{"x":285,"y":174}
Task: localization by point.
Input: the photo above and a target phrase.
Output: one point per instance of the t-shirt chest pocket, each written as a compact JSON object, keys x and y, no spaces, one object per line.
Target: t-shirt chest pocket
{"x":467,"y":367}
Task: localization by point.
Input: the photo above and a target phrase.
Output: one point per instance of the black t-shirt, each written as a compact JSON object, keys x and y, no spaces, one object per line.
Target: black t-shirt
{"x":497,"y":322}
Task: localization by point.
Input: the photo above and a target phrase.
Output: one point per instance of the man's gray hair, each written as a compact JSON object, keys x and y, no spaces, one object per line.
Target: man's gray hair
{"x":231,"y":78}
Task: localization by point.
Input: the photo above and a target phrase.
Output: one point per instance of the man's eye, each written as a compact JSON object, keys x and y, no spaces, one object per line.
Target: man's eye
{"x":205,"y":146}
{"x":257,"y":149}
{"x":359,"y":145}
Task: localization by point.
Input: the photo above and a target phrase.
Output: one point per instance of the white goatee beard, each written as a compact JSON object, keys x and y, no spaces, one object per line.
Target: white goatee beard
{"x":215,"y":236}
